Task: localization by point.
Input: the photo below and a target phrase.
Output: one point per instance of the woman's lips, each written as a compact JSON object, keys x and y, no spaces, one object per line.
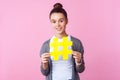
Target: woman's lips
{"x":58,"y":29}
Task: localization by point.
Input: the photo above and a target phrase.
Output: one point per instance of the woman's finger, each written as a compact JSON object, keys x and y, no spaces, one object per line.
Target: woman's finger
{"x":46,"y":55}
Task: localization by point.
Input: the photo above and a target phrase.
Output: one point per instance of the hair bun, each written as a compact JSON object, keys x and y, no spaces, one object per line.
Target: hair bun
{"x":57,"y":5}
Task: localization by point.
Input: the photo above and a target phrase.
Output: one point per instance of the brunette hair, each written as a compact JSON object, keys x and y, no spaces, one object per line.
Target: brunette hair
{"x":58,"y":8}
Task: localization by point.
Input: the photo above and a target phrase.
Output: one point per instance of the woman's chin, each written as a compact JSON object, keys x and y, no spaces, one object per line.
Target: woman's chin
{"x":59,"y":32}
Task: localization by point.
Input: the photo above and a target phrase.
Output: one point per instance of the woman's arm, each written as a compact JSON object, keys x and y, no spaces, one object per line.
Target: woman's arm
{"x":45,"y":68}
{"x":79,"y":58}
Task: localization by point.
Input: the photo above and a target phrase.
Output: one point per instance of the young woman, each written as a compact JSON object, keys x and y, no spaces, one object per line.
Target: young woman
{"x":63,"y":65}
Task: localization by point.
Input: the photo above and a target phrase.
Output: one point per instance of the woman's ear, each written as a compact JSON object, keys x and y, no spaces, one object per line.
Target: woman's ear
{"x":67,"y":21}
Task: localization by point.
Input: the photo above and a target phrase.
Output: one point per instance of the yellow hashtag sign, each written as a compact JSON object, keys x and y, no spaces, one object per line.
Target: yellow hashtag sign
{"x":60,"y":48}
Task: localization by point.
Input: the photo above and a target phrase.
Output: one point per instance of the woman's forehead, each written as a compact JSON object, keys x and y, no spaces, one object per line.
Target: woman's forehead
{"x":57,"y":16}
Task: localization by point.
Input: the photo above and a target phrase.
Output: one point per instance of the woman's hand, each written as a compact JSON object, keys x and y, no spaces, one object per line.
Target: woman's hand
{"x":45,"y":58}
{"x":77,"y":56}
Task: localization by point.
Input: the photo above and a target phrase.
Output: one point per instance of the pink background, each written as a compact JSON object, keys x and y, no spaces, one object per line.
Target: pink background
{"x":24,"y":26}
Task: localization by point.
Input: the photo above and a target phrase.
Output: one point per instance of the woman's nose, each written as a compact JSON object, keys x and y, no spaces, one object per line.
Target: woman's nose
{"x":57,"y":24}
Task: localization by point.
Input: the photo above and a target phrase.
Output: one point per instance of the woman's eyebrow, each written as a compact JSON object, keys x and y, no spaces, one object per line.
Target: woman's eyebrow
{"x":58,"y":19}
{"x":62,"y":19}
{"x":53,"y":20}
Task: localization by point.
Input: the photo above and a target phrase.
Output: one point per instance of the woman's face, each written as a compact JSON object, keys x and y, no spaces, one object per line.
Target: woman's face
{"x":59,"y":22}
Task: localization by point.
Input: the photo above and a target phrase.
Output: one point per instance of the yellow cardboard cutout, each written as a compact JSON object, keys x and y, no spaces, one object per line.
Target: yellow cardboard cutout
{"x":60,"y":48}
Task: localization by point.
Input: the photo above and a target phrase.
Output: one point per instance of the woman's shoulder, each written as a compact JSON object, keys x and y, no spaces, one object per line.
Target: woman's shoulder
{"x":74,"y":39}
{"x":77,"y":44}
{"x":46,"y":42}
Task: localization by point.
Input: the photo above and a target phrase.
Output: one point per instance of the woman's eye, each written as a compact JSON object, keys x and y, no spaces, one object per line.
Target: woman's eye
{"x":61,"y":20}
{"x":53,"y":21}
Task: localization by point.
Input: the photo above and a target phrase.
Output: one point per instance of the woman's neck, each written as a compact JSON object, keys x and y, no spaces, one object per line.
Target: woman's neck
{"x":61,"y":35}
